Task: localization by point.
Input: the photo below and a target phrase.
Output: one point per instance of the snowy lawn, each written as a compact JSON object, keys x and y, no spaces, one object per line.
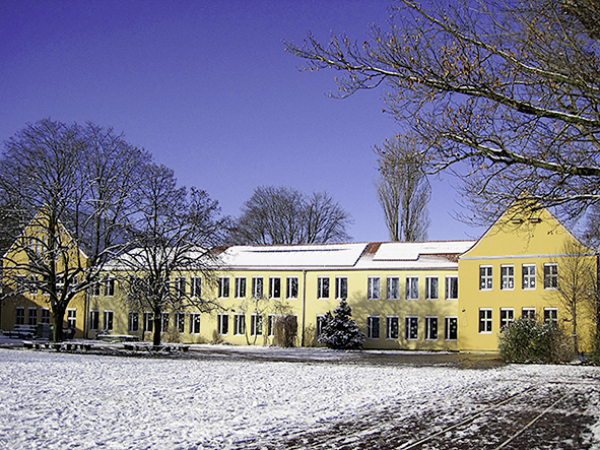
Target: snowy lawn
{"x":57,"y":401}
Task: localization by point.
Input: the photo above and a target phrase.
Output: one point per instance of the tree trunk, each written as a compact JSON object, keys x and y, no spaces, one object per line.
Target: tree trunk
{"x":157,"y":327}
{"x":58,"y":315}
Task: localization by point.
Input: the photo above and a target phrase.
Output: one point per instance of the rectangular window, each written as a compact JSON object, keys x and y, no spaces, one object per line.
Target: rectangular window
{"x":96,"y":289}
{"x":292,"y":287}
{"x":257,"y":287}
{"x":341,"y":288}
{"x":323,"y":287}
{"x":528,"y":313}
{"x":32,"y":316}
{"x":391,"y":327}
{"x":451,"y":328}
{"x":274,"y":287}
{"x":148,"y":322}
{"x":256,"y":321}
{"x":485,"y":320}
{"x":164,"y":322}
{"x":507,"y":277}
{"x":196,"y":287}
{"x":20,"y":288}
{"x":223,"y":323}
{"x":373,"y":288}
{"x":109,"y":287}
{"x":550,"y":276}
{"x":431,"y":328}
{"x":320,"y":324}
{"x":71,"y":318}
{"x":452,"y":288}
{"x":485,"y":278}
{"x":373,"y":327}
{"x":239,"y":324}
{"x":223,"y":287}
{"x":20,"y":316}
{"x":528,"y":276}
{"x":94,"y":320}
{"x":393,"y":288}
{"x":194,"y":323}
{"x":133,"y":322}
{"x":412,"y":288}
{"x":45,"y":316}
{"x":179,"y":321}
{"x":551,"y":315}
{"x":240,"y":287}
{"x":271,"y":319}
{"x":411,"y":328}
{"x":431,"y":288}
{"x":180,"y":286}
{"x":507,"y":316}
{"x":33,"y":284}
{"x":108,"y":320}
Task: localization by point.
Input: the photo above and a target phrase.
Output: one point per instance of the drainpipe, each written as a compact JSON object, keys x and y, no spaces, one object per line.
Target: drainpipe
{"x":303,"y":306}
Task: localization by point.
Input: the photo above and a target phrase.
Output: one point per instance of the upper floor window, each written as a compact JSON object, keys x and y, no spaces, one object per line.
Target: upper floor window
{"x":341,"y":287}
{"x":393,"y":288}
{"x":274,"y":287}
{"x":180,"y":288}
{"x":240,"y":287}
{"x":451,"y":288}
{"x":196,"y":285}
{"x":528,"y":271}
{"x":291,"y":287}
{"x":507,"y":277}
{"x":412,"y":288}
{"x":257,"y":287}
{"x":550,"y":276}
{"x":223,"y":287}
{"x":109,"y":287}
{"x":323,"y":287}
{"x":373,"y":291}
{"x":485,"y":278}
{"x":431,"y":288}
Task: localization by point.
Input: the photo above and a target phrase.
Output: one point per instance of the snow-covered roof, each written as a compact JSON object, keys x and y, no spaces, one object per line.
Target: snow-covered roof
{"x":411,"y":251}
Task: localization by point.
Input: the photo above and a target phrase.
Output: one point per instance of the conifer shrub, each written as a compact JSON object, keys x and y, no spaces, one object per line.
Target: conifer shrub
{"x":339,"y":331}
{"x":527,"y":340}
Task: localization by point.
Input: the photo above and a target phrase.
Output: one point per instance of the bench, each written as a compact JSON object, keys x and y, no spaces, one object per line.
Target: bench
{"x":21,"y":332}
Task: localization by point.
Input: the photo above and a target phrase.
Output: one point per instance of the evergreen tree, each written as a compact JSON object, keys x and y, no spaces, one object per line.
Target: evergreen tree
{"x":340,"y":331}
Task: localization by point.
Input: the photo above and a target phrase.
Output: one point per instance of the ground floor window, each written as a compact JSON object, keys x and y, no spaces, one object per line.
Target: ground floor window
{"x":194,"y":322}
{"x":223,"y":323}
{"x":45,"y":316}
{"x":528,"y":313}
{"x":551,"y":315}
{"x":108,"y":320}
{"x":485,"y":320}
{"x":133,"y":322}
{"x":94,"y":320}
{"x":320,"y":325}
{"x":71,"y":318}
{"x":239,"y":324}
{"x":392,"y":327}
{"x":256,"y":324}
{"x":431,"y":328}
{"x":507,"y":315}
{"x":20,"y":316}
{"x":411,"y":328}
{"x":373,"y":327}
{"x":179,"y":318}
{"x":32,"y":316}
{"x":451,"y":328}
{"x":164,"y":322}
{"x":148,"y":322}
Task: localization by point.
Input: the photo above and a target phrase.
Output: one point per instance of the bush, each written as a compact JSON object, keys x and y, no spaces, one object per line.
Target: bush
{"x":340,"y":331}
{"x":530,"y":341}
{"x":286,"y":330}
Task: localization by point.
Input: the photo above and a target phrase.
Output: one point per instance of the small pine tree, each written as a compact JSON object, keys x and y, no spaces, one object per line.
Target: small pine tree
{"x":340,"y":331}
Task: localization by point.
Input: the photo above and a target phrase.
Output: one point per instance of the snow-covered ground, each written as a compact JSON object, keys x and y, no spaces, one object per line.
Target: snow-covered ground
{"x":57,"y":401}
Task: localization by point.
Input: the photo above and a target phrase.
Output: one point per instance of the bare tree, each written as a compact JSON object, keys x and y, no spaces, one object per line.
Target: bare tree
{"x":67,"y":189}
{"x":281,"y":215}
{"x":403,"y":189}
{"x":504,"y":94}
{"x":172,"y":235}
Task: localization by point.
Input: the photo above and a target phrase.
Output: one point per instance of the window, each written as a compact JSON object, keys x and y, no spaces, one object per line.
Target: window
{"x":194,"y":323}
{"x":164,"y":322}
{"x":373,"y":291}
{"x":196,"y":287}
{"x":528,"y":313}
{"x":451,"y":328}
{"x":96,"y":289}
{"x":45,"y":316}
{"x":94,"y":320}
{"x":507,"y":277}
{"x":292,"y":287}
{"x":271,"y":319}
{"x":108,"y":320}
{"x":20,"y":316}
{"x":223,"y":287}
{"x":20,"y":288}
{"x":393,"y":288}
{"x":550,"y":276}
{"x":341,"y":288}
{"x":109,"y":287}
{"x":71,"y":318}
{"x":411,"y":328}
{"x":412,"y":288}
{"x":133,"y":324}
{"x":320,"y":324}
{"x":274,"y":287}
{"x":180,"y":287}
{"x":223,"y":323}
{"x":373,"y":327}
{"x":257,"y":287}
{"x":240,"y":287}
{"x":179,"y":319}
{"x":528,"y":276}
{"x":485,"y":320}
{"x":256,"y":324}
{"x":431,"y":288}
{"x":551,"y":315}
{"x":32,"y":316}
{"x":239,"y":324}
{"x":323,"y":287}
{"x":148,"y":322}
{"x":33,"y":284}
{"x":485,"y":278}
{"x":391,"y":327}
{"x":451,"y":288}
{"x":507,"y":315}
{"x":431,"y":328}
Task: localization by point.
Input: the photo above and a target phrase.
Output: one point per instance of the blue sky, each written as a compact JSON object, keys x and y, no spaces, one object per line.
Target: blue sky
{"x":208,"y":89}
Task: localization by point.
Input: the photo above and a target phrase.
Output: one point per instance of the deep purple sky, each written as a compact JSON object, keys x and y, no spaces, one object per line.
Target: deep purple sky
{"x":208,"y":89}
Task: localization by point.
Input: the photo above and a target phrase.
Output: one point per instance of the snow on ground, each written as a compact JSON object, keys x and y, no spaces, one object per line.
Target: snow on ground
{"x":55,"y":400}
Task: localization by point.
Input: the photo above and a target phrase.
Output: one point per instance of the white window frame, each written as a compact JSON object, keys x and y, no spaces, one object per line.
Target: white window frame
{"x":164,"y":322}
{"x":529,"y":281}
{"x":450,"y":322}
{"x":551,"y":315}
{"x":223,"y":287}
{"x":274,"y":287}
{"x":432,"y":332}
{"x":412,"y":287}
{"x":392,"y":325}
{"x":393,"y":288}
{"x":148,"y":322}
{"x":374,"y":288}
{"x":195,"y":323}
{"x":271,"y":319}
{"x":486,"y":316}
{"x":223,"y":324}
{"x":451,"y":286}
{"x":179,"y":322}
{"x":551,"y":276}
{"x":196,"y":287}
{"x":507,"y":316}
{"x":109,"y":287}
{"x":71,"y":318}
{"x":258,"y":287}
{"x":94,"y":319}
{"x":432,"y":288}
{"x":256,"y":324}
{"x":240,"y":287}
{"x":486,"y":278}
{"x":507,"y":277}
{"x":373,"y":327}
{"x":133,"y":322}
{"x":411,"y":323}
{"x":108,"y":322}
{"x":239,"y":324}
{"x":323,"y":288}
{"x":341,"y":288}
{"x":180,"y":286}
{"x":291,"y":286}
{"x":528,"y":312}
